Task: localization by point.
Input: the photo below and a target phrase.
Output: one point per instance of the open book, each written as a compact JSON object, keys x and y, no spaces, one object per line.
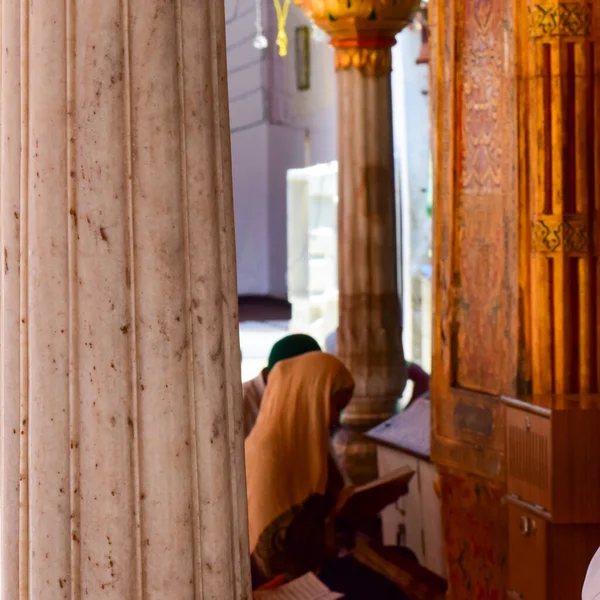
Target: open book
{"x":367,"y":501}
{"x":307,"y":587}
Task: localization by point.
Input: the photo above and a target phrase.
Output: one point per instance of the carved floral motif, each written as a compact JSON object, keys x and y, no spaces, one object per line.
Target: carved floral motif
{"x":481,"y":343}
{"x":572,"y":19}
{"x":482,"y":83}
{"x":569,"y":236}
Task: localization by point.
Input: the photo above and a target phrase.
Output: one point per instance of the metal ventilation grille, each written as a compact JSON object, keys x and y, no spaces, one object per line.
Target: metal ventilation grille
{"x":528,"y":457}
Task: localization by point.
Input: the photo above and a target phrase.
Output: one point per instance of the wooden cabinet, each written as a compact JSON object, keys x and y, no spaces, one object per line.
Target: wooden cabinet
{"x":546,"y":560}
{"x":553,"y":495}
{"x":528,"y":453}
{"x":527,"y":556}
{"x":415,"y":520}
{"x":552,"y":454}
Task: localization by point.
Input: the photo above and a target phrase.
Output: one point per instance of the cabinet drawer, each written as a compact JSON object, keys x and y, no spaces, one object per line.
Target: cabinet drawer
{"x":529,"y":457}
{"x":527,"y":555}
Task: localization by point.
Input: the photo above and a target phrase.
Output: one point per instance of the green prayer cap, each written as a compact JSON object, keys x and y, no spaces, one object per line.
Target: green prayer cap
{"x":291,"y":346}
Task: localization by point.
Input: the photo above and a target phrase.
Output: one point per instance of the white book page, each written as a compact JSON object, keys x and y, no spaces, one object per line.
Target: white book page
{"x":307,"y":587}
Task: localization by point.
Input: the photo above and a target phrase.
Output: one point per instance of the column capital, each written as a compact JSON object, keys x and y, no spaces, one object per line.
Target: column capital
{"x":362,"y":31}
{"x":372,"y":60}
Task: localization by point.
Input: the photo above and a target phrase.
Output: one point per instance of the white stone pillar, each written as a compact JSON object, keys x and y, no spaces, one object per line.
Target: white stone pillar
{"x":10,"y":140}
{"x":122,"y":466}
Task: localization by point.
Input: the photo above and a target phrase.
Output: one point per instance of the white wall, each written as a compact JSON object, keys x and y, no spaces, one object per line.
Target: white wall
{"x":274,"y":127}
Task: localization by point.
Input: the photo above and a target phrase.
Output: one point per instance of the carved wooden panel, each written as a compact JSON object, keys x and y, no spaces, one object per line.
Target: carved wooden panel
{"x":483,"y":203}
{"x":480,"y":73}
{"x":477,"y":289}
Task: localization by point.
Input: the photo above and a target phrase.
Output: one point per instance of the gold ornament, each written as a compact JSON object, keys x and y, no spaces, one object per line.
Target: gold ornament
{"x":361,"y":19}
{"x":372,"y":62}
{"x":361,"y":31}
{"x":282,"y":13}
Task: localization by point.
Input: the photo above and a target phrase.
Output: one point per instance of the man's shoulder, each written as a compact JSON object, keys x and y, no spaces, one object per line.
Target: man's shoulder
{"x":255,"y":385}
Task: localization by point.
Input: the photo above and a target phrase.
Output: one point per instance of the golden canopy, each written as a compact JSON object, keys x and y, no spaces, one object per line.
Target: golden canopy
{"x":370,"y":22}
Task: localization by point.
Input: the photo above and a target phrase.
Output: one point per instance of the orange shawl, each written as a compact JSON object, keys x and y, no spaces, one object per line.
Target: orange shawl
{"x":287,"y":451}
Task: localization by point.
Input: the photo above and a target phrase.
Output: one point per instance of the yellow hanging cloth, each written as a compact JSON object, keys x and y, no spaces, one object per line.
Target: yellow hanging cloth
{"x":282,"y":13}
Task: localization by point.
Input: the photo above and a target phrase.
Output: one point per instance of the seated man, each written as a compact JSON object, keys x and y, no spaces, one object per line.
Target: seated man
{"x":292,"y":498}
{"x":253,"y":390}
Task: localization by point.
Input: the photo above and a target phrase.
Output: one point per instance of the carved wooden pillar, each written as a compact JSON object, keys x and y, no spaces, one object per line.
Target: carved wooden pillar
{"x":122,"y":470}
{"x":370,"y":328}
{"x":559,"y":63}
{"x":516,"y":88}
{"x":478,"y":351}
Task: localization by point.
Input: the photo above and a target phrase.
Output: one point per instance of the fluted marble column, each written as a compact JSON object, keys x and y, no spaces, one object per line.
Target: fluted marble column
{"x":122,"y":455}
{"x":370,"y":327}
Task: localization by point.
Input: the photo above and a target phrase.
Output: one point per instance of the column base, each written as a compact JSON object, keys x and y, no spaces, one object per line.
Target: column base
{"x":356,"y":454}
